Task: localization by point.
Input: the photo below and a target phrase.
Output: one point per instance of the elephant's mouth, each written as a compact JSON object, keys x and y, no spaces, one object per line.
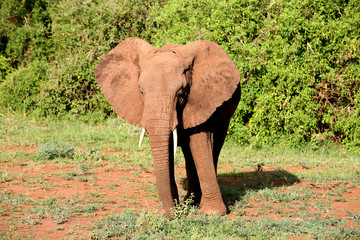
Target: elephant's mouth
{"x":175,"y":138}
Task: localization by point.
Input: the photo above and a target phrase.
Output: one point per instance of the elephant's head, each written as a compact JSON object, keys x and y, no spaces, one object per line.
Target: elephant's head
{"x":163,"y":89}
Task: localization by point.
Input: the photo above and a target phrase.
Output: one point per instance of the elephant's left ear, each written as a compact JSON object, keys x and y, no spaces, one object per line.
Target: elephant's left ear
{"x":214,"y":80}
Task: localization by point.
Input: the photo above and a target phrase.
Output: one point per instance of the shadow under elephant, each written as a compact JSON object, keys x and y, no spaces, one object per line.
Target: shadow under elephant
{"x":235,"y":185}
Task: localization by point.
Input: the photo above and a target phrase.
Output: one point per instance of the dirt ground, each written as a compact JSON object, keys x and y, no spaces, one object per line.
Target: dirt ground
{"x":115,"y":188}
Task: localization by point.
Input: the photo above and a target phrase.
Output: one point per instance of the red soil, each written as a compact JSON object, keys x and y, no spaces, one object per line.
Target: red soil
{"x":119,"y":189}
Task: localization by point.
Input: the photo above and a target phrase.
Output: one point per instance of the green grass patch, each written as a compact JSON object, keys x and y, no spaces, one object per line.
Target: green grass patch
{"x":147,"y":225}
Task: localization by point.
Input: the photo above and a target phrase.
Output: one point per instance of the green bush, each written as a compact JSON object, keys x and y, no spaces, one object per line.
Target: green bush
{"x":299,"y":60}
{"x":5,"y":67}
{"x":68,"y":38}
{"x":21,"y":89}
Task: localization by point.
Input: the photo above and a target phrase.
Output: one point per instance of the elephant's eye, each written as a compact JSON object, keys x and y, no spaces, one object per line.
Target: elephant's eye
{"x":180,"y":93}
{"x":141,"y":92}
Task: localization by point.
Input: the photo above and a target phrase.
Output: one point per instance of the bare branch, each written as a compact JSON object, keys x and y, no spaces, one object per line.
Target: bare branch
{"x":258,"y":37}
{"x":308,"y":44}
{"x":337,"y":7}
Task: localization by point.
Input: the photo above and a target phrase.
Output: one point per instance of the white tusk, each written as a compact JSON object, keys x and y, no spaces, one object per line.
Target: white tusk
{"x":175,"y":138}
{"x":142,"y":134}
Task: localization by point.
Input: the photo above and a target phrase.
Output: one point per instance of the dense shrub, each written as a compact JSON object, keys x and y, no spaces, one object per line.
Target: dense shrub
{"x":78,"y":34}
{"x":21,"y":91}
{"x":299,"y":60}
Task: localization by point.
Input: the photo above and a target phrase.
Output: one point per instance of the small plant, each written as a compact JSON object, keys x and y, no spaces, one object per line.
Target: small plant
{"x":6,"y":176}
{"x":260,"y":167}
{"x":89,"y":155}
{"x":80,"y":173}
{"x":56,"y":149}
{"x":33,"y":220}
{"x":69,"y":175}
{"x":304,"y":164}
{"x":180,"y":211}
{"x":2,"y":211}
{"x":356,"y":217}
{"x":341,"y":199}
{"x":84,"y":169}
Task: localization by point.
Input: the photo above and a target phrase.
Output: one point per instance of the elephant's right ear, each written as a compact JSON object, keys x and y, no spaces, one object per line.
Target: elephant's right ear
{"x":118,"y":75}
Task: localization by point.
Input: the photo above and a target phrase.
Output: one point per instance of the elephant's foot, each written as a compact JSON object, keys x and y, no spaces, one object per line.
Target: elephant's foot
{"x":213,"y":207}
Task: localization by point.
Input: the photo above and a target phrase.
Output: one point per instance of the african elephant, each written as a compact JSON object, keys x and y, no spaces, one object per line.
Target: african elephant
{"x":178,"y":93}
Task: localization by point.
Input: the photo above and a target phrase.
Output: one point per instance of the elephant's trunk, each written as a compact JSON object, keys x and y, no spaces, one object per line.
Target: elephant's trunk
{"x":160,"y":136}
{"x":164,"y":169}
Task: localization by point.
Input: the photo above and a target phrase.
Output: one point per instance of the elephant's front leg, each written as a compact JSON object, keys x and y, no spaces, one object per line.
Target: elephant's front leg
{"x":193,"y":184}
{"x":201,"y":146}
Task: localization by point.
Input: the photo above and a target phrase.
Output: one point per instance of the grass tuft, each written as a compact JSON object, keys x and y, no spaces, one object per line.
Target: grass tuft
{"x":56,"y":149}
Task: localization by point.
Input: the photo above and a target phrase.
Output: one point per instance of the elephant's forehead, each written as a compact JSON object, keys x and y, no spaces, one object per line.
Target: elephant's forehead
{"x":165,"y":61}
